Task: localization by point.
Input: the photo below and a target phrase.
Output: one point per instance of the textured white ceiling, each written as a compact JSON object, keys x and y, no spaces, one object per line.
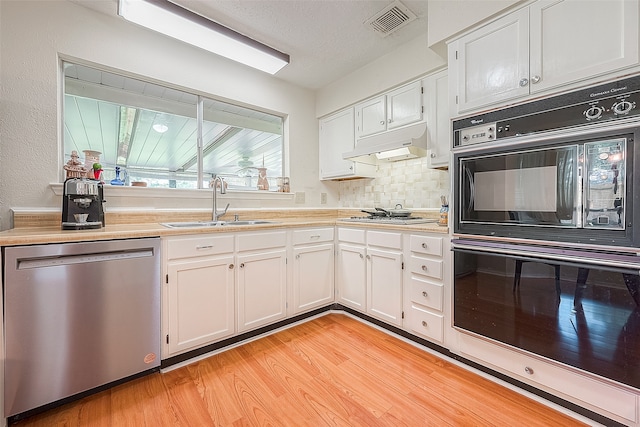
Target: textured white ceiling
{"x":326,"y":39}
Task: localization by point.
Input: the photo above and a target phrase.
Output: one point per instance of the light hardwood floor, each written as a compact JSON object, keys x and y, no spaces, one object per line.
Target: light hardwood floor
{"x":330,"y":371}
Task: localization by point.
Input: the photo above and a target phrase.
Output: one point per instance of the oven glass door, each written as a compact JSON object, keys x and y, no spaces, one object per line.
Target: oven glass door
{"x":529,"y":187}
{"x":567,"y":308}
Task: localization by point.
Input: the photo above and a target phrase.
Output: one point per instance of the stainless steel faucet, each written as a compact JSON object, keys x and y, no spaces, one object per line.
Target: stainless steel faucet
{"x":215,"y":214}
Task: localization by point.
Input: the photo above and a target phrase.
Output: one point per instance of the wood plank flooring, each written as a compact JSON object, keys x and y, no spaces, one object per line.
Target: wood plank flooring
{"x":330,"y":371}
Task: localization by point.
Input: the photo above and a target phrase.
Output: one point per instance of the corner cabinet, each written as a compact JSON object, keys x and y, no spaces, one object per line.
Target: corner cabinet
{"x":369,"y":273}
{"x":337,"y":137}
{"x":313,"y":261}
{"x":261,"y":279}
{"x":199,"y":297}
{"x":533,"y":50}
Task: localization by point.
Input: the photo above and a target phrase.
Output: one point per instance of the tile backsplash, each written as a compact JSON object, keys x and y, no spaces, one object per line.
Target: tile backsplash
{"x":409,"y":182}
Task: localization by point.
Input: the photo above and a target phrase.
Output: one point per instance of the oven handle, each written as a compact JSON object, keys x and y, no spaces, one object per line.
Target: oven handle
{"x":472,"y":190}
{"x":587,"y":260}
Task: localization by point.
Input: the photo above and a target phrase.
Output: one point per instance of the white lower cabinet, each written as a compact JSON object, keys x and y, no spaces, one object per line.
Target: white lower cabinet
{"x":369,"y":273}
{"x":261,"y":279}
{"x":384,"y":276}
{"x":425,"y":286}
{"x":351,"y":269}
{"x":313,"y":261}
{"x":199,"y":297}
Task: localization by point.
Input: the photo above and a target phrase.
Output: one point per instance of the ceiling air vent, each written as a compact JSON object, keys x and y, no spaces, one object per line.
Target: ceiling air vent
{"x":390,"y":19}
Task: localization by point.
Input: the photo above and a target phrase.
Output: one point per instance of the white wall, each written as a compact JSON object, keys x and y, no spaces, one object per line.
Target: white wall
{"x":33,"y":37}
{"x":406,"y":63}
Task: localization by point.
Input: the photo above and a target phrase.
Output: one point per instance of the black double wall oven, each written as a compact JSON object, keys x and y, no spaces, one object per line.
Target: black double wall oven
{"x":547,"y":228}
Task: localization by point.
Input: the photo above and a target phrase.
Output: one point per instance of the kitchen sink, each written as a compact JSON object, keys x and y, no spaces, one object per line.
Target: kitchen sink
{"x":202,"y":224}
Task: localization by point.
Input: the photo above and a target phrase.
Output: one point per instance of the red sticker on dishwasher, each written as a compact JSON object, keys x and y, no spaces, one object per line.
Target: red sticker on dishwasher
{"x":149,"y":358}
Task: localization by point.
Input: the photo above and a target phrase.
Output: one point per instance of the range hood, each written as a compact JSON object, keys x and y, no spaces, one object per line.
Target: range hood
{"x":398,"y":144}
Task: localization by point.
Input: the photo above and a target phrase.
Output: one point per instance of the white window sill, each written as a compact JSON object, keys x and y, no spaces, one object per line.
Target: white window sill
{"x":180,"y":193}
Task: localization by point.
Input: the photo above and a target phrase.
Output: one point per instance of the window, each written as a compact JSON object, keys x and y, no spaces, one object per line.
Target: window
{"x":151,"y":132}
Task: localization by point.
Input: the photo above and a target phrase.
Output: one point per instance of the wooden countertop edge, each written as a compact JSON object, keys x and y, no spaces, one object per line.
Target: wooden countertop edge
{"x":42,"y":235}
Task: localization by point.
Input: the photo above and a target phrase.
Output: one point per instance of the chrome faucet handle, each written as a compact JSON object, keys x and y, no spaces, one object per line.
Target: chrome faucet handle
{"x":225,"y":210}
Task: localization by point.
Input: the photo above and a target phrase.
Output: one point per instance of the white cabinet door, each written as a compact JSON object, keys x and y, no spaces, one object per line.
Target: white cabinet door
{"x":312,"y":277}
{"x":371,"y":116}
{"x":262,"y":286}
{"x":201,"y":302}
{"x":438,"y":122}
{"x":337,"y":136}
{"x":384,"y":285}
{"x":404,"y":105}
{"x":492,"y":62}
{"x":602,"y":36}
{"x":351,"y":276}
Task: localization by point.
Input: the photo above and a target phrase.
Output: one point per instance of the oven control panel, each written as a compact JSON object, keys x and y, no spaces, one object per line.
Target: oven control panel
{"x":608,"y":102}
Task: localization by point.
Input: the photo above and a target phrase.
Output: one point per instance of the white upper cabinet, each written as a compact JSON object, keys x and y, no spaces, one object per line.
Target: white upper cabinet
{"x":574,"y":40}
{"x":397,"y":108}
{"x":492,"y":62}
{"x":337,"y":136}
{"x":436,"y":87}
{"x":547,"y":45}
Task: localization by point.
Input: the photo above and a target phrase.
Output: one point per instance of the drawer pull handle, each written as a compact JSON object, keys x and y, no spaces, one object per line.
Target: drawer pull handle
{"x":315,"y":236}
{"x":528,"y":370}
{"x":204,"y":246}
{"x":424,"y":245}
{"x":424,"y":268}
{"x":424,"y":323}
{"x":425,"y":294}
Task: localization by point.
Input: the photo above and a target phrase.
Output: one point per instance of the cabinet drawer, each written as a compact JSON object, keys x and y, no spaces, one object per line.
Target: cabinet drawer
{"x":194,"y":246}
{"x":565,"y":383}
{"x":256,"y":241}
{"x":425,"y":267}
{"x":426,"y":245}
{"x":426,"y":293}
{"x":315,"y":235}
{"x":425,"y":323}
{"x":384,"y":239}
{"x":351,"y":235}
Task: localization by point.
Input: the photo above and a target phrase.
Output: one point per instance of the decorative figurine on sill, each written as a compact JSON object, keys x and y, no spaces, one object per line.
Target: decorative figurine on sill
{"x":74,"y":167}
{"x":263,"y":183}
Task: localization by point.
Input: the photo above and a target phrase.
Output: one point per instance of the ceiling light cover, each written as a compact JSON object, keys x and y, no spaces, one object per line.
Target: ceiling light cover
{"x":172,"y":20}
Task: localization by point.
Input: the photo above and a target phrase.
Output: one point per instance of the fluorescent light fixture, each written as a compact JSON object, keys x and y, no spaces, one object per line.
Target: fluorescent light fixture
{"x":172,"y":20}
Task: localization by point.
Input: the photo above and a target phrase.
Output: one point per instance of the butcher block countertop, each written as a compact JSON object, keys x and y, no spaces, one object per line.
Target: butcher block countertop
{"x":37,"y":227}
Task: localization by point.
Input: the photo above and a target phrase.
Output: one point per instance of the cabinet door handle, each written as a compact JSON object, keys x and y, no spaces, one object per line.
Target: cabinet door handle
{"x":389,"y":121}
{"x":424,"y":268}
{"x":382,"y":122}
{"x":204,"y":247}
{"x":242,"y":265}
{"x":361,"y":256}
{"x":424,"y":323}
{"x":535,"y":79}
{"x":231,"y":266}
{"x":524,"y":82}
{"x":298,"y":256}
{"x":368,"y":256}
{"x":425,"y":294}
{"x":424,"y":246}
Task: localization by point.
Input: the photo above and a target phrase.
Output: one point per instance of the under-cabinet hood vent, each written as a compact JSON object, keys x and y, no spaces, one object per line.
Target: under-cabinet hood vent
{"x":390,"y":19}
{"x":399,"y":144}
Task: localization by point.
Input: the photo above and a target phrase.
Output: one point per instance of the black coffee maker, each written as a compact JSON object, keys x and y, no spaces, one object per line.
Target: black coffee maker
{"x":82,"y":204}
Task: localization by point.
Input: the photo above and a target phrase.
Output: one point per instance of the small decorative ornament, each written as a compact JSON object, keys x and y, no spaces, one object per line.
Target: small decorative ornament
{"x":74,"y":167}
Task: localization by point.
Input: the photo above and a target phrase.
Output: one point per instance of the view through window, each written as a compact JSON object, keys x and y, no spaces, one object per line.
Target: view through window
{"x":151,"y":133}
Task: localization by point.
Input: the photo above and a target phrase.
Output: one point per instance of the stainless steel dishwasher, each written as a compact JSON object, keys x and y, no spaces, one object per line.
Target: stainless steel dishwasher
{"x":78,"y":316}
